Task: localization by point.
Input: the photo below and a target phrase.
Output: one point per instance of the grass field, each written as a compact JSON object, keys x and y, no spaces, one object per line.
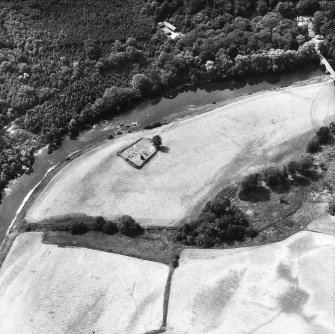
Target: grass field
{"x":286,"y":287}
{"x":49,"y":289}
{"x":204,"y":153}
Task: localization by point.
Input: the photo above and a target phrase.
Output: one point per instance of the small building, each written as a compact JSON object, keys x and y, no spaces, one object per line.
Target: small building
{"x":169,"y":26}
{"x":169,"y":29}
{"x":308,"y":22}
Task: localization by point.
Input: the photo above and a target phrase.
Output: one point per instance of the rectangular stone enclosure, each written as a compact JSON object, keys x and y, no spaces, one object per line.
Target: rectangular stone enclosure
{"x":139,"y":152}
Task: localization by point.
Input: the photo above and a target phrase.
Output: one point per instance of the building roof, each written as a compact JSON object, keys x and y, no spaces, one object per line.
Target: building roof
{"x":169,"y":25}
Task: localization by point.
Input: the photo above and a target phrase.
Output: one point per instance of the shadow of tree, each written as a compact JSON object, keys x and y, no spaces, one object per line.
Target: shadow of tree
{"x":261,"y":194}
{"x":312,"y":174}
{"x":282,"y":188}
{"x":164,"y":149}
{"x":302,"y":181}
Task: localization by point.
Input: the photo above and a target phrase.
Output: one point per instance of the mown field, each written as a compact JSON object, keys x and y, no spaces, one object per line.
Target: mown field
{"x":286,"y":287}
{"x":50,"y":289}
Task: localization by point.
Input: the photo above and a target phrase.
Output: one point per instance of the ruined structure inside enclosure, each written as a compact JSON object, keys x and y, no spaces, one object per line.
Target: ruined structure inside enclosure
{"x":139,"y":152}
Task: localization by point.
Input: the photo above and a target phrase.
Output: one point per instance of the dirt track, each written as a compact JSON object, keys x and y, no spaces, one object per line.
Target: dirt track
{"x":204,"y":152}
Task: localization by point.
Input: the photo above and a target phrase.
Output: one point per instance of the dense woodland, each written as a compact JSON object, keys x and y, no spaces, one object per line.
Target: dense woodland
{"x":64,"y":63}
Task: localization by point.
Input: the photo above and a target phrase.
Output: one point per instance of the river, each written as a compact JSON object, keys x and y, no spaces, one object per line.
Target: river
{"x":182,"y":102}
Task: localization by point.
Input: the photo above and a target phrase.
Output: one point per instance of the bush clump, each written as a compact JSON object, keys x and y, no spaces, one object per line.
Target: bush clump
{"x":99,"y":224}
{"x":78,"y":228}
{"x":272,"y":176}
{"x":127,"y":225}
{"x":324,"y":135}
{"x":250,"y":183}
{"x":157,"y":141}
{"x":175,"y":261}
{"x":313,"y":145}
{"x":219,"y":222}
{"x":331,"y":128}
{"x":152,"y":125}
{"x":293,"y":167}
{"x":110,"y":227}
{"x":331,"y":209}
{"x":305,"y":165}
{"x":142,"y":83}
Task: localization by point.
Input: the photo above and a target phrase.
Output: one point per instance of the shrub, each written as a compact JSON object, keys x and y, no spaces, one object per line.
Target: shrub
{"x":128,"y":226}
{"x":131,"y":41}
{"x":236,"y":232}
{"x":250,"y":183}
{"x":313,"y":145}
{"x":175,"y":261}
{"x":186,"y":229}
{"x":142,"y":83}
{"x":91,"y":49}
{"x":219,"y":206}
{"x":99,"y":224}
{"x":250,"y":232}
{"x":292,"y":167}
{"x":78,"y":228}
{"x":331,"y":209}
{"x":3,"y":184}
{"x":157,"y":141}
{"x":323,"y":135}
{"x":305,"y":165}
{"x":116,"y":60}
{"x":218,"y":222}
{"x":110,"y":227}
{"x":152,"y":125}
{"x":272,"y":176}
{"x":133,"y":54}
{"x":332,"y":128}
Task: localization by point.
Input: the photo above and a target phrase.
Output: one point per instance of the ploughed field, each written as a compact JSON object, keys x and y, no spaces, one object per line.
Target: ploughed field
{"x":286,"y":287}
{"x":49,"y":289}
{"x":201,"y":155}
